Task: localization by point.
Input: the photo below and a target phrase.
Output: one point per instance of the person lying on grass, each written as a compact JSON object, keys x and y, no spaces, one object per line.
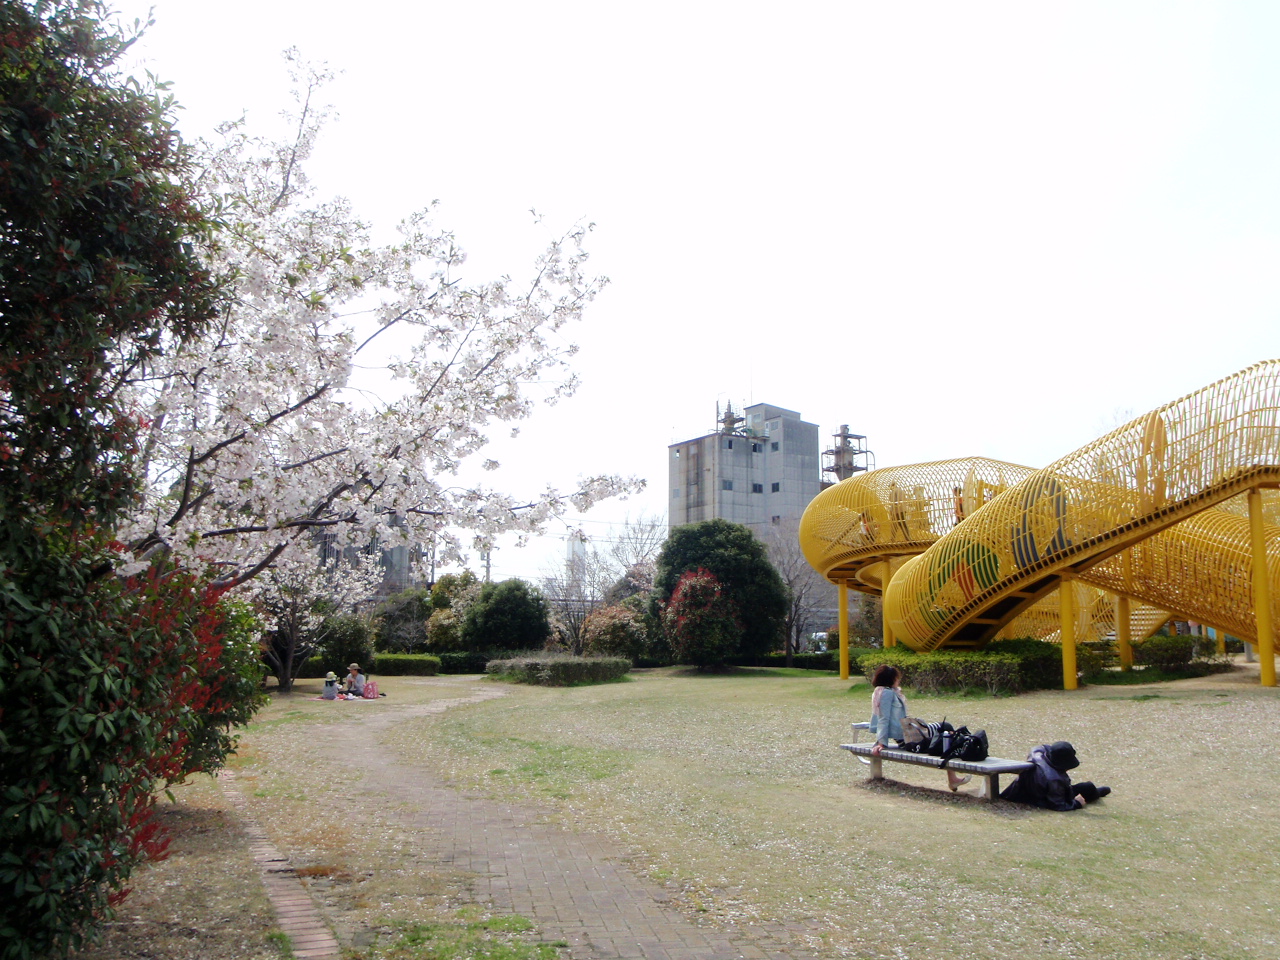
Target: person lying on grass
{"x":1047,"y":785}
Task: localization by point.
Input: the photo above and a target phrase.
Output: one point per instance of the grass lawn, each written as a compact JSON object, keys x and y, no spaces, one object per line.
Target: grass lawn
{"x":731,"y":791}
{"x":732,"y":788}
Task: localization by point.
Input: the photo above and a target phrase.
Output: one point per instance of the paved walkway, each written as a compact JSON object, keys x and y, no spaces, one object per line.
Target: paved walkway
{"x":295,"y":910}
{"x":572,"y":884}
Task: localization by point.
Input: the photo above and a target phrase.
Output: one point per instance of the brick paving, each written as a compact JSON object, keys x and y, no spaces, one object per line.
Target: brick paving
{"x":296,"y":912}
{"x":573,"y":884}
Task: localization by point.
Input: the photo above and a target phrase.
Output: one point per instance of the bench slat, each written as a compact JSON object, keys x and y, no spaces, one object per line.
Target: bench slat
{"x":989,"y":769}
{"x":989,"y":765}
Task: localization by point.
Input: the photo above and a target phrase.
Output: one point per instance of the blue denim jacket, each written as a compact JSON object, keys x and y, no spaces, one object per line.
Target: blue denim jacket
{"x":887,"y":724}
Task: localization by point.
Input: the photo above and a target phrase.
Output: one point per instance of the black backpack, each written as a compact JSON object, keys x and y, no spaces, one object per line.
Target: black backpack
{"x":964,"y":745}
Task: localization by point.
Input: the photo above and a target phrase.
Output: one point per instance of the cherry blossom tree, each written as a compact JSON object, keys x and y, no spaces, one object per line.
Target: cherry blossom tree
{"x":256,"y":439}
{"x":297,"y":593}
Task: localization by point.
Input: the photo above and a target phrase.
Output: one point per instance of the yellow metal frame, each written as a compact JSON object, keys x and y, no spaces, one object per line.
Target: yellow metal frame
{"x":1172,"y":514}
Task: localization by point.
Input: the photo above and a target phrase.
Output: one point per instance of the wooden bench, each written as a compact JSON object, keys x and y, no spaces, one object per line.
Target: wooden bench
{"x":988,"y":770}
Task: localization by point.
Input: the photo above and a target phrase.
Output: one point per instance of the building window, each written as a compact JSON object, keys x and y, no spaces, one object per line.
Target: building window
{"x":729,"y":444}
{"x":774,"y":425}
{"x":776,"y":487}
{"x":726,"y":484}
{"x":675,"y":492}
{"x":775,"y":520}
{"x":756,"y":447}
{"x":773,"y":447}
{"x":757,"y":488}
{"x":677,"y":453}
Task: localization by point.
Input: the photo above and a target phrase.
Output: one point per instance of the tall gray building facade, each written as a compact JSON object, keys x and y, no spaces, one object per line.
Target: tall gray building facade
{"x":760,"y":469}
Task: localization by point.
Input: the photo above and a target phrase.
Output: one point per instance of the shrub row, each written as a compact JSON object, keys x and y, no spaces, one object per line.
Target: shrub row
{"x":387,"y":665}
{"x":406,"y":664}
{"x":1192,"y":656}
{"x":825,"y":660}
{"x":1165,"y":653}
{"x":1004,"y":666}
{"x":463,"y":662}
{"x":559,"y":671}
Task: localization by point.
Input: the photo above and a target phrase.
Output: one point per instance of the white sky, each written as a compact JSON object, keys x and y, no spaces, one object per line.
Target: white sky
{"x":989,"y":229}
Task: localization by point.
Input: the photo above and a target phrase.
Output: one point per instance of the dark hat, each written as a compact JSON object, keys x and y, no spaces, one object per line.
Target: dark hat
{"x":1062,"y":756}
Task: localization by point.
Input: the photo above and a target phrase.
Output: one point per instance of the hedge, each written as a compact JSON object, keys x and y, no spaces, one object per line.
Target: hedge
{"x":313,"y":669}
{"x":463,"y":662}
{"x":1165,"y":653}
{"x":406,"y":664}
{"x":559,"y":671}
{"x":1004,"y":666}
{"x":824,"y":660}
{"x":388,"y":665}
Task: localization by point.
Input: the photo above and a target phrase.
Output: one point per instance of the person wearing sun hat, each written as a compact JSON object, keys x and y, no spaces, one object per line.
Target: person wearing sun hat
{"x":1047,"y":785}
{"x":353,"y":682}
{"x":330,"y":686}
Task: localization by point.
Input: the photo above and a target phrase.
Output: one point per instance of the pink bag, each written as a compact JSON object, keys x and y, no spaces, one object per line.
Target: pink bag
{"x":371,"y":690}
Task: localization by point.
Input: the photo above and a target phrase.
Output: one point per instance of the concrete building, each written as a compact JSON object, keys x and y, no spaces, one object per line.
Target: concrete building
{"x":760,"y":469}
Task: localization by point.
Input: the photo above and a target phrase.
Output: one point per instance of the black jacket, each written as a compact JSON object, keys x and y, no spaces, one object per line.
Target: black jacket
{"x":1042,"y":785}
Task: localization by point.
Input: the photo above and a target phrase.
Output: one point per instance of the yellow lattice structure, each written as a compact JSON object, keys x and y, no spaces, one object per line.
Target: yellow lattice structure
{"x":1173,"y":513}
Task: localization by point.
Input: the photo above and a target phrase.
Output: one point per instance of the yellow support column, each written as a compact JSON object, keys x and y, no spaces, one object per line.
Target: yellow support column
{"x":886,"y":574}
{"x":842,"y":590}
{"x":1222,"y":641}
{"x":1123,"y":637}
{"x":1067,"y":610}
{"x":1262,"y":591}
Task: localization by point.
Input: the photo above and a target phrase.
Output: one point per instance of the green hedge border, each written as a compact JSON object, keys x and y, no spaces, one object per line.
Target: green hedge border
{"x":559,"y":671}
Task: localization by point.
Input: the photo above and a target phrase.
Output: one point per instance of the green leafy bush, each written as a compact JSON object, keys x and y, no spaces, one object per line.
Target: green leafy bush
{"x":406,"y":664}
{"x":510,"y":615}
{"x":701,"y":621}
{"x":1004,"y":666}
{"x":816,"y":660}
{"x":463,"y":661}
{"x":1093,"y":657}
{"x":109,"y":689}
{"x":345,"y":639}
{"x":313,"y":668}
{"x":1089,"y":661}
{"x":1165,"y":653}
{"x":740,"y":564}
{"x":617,"y":631}
{"x":553,"y":671}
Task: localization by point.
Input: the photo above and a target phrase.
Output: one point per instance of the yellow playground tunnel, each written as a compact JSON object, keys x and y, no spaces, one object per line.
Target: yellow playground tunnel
{"x":1175,"y":514}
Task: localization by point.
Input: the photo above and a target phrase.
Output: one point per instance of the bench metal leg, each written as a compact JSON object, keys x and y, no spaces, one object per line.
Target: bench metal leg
{"x":990,"y":788}
{"x":877,"y":768}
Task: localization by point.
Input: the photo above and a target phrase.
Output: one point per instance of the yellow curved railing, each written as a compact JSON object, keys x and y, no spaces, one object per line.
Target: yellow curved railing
{"x":862,"y":530}
{"x":1174,"y":511}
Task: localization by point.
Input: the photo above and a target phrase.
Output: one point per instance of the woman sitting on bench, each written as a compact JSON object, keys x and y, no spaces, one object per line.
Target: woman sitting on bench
{"x":888,"y":710}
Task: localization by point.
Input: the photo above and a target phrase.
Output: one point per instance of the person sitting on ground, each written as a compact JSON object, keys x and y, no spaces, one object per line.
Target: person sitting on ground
{"x":353,"y":682}
{"x":330,"y":686}
{"x":889,"y":709}
{"x":1047,"y":785}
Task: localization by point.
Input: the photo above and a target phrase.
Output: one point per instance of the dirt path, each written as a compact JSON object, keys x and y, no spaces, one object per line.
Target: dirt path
{"x":573,"y":885}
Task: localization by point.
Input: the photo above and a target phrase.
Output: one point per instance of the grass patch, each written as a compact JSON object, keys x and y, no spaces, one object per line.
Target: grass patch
{"x":779,"y":672}
{"x":282,"y":942}
{"x":466,"y":937}
{"x":553,"y":768}
{"x":732,"y":793}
